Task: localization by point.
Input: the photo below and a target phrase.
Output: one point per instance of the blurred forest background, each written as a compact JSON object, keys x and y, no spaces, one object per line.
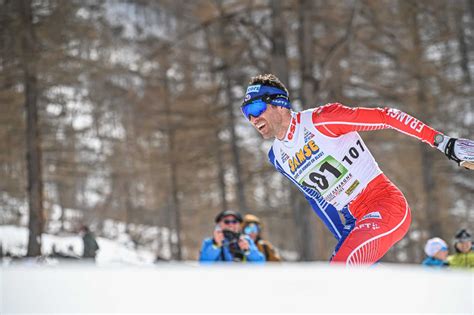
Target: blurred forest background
{"x":124,"y":114}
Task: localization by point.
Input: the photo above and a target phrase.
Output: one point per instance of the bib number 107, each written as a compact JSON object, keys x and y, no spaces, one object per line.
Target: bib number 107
{"x":353,"y":153}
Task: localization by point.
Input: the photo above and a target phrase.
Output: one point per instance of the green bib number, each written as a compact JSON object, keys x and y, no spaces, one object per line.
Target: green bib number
{"x":324,"y":175}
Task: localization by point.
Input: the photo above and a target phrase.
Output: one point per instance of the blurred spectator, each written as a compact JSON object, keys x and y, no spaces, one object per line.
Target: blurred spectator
{"x":90,"y":244}
{"x":437,"y":251}
{"x":464,"y":257}
{"x":227,"y":243}
{"x":253,"y":226}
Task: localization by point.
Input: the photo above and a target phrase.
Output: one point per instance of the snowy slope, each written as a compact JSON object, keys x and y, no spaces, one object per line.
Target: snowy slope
{"x":289,"y":288}
{"x":14,"y":240}
{"x":126,"y":281}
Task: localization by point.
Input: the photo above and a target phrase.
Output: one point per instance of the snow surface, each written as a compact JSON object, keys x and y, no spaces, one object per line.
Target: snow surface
{"x":188,"y":287}
{"x":125,"y":280}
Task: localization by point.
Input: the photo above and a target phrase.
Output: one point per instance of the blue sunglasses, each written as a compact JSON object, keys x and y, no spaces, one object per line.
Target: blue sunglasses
{"x":257,"y":105}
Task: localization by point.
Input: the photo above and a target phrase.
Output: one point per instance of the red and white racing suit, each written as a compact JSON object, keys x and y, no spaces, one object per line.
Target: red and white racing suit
{"x":323,"y":154}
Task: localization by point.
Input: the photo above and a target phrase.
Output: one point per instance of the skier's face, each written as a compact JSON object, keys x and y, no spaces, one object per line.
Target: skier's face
{"x":269,"y":123}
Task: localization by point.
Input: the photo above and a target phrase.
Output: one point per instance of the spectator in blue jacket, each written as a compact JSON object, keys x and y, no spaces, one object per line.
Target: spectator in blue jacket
{"x":437,"y":251}
{"x":227,"y":243}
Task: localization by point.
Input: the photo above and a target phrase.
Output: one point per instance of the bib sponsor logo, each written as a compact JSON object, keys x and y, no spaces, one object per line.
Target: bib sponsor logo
{"x":351,"y":189}
{"x":303,"y":155}
{"x":367,"y":226}
{"x":293,"y":123}
{"x":307,"y":135}
{"x":372,"y":215}
{"x":284,"y":156}
{"x":338,"y":189}
{"x":253,"y":89}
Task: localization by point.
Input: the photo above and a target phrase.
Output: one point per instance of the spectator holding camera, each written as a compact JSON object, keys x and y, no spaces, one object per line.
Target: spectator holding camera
{"x":437,"y":251}
{"x":252,"y":226}
{"x":227,"y":243}
{"x":464,"y":257}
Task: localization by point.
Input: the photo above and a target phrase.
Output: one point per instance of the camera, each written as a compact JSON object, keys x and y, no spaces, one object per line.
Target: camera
{"x":232,"y":240}
{"x":231,"y":236}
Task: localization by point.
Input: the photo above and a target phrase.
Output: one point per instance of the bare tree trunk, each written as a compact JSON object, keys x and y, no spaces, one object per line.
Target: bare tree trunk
{"x":279,"y":57}
{"x":463,"y":48}
{"x":305,"y":39}
{"x":128,"y":203}
{"x":226,"y":66}
{"x":174,"y":197}
{"x":220,"y":172}
{"x":60,"y":190}
{"x":279,"y":64}
{"x":33,"y":144}
{"x":241,"y":200}
{"x":423,"y":112}
{"x":218,"y":143}
{"x":471,"y":11}
{"x":175,"y":214}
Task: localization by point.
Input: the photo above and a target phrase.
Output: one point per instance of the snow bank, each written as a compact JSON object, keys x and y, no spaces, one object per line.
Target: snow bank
{"x":14,"y":239}
{"x":290,"y":288}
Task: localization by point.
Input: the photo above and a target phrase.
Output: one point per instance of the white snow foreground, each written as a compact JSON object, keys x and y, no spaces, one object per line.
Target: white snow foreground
{"x":190,"y":288}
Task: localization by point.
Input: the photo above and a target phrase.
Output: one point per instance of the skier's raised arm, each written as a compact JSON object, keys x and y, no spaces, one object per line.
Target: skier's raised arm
{"x":334,"y":120}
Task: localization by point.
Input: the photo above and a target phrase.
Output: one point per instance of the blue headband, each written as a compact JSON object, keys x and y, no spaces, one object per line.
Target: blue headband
{"x":254,"y":91}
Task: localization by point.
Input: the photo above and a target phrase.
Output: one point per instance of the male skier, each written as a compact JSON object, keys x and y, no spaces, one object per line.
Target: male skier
{"x":321,"y":152}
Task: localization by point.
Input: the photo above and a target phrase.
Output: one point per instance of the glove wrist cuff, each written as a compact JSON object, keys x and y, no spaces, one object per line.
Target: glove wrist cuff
{"x":449,"y":150}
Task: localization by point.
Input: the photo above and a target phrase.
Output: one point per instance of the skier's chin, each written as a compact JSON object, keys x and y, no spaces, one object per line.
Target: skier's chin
{"x":266,"y":135}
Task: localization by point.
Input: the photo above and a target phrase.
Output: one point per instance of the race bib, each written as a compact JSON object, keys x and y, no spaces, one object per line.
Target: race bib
{"x":324,"y":175}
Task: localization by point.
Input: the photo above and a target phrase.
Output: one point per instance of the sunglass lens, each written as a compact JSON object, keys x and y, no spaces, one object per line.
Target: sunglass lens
{"x":230,"y":221}
{"x":254,"y":109}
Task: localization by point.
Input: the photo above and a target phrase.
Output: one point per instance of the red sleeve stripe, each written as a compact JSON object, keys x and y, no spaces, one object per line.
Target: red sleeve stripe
{"x":332,"y":133}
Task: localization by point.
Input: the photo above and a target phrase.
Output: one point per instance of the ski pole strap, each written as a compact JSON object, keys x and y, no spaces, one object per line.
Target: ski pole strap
{"x":449,"y":150}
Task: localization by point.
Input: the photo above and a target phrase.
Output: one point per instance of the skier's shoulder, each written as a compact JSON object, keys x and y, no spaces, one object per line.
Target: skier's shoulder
{"x":329,"y":112}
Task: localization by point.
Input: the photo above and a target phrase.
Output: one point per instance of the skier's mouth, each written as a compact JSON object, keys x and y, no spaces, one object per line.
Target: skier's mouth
{"x":260,"y":126}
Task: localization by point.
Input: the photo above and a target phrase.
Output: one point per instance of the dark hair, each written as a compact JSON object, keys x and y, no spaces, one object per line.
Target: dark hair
{"x":269,"y":80}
